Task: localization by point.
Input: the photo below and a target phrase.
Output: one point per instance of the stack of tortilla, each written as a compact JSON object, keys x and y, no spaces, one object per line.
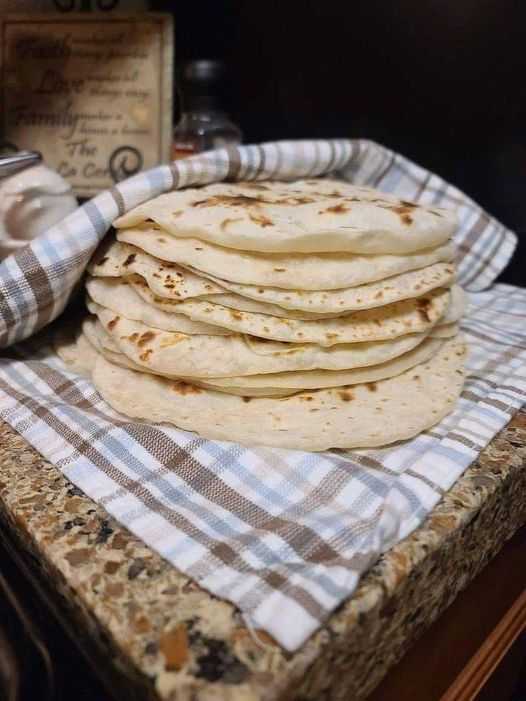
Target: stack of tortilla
{"x":312,"y":314}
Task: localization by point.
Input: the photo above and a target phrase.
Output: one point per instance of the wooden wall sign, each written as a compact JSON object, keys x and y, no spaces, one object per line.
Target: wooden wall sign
{"x":92,"y":92}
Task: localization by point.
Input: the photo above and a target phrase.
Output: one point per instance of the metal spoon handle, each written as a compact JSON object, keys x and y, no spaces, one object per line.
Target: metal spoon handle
{"x":18,"y":161}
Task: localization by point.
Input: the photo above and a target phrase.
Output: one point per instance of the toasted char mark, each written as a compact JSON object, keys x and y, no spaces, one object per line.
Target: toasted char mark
{"x":145,"y":338}
{"x":131,"y":338}
{"x":111,"y":324}
{"x":228,"y":201}
{"x":337,"y":209}
{"x":371,"y":386}
{"x":424,"y":305}
{"x":224,"y":224}
{"x":184,"y":388}
{"x":246,"y":399}
{"x":260,"y":219}
{"x":177,"y":213}
{"x":404,"y":212}
{"x":144,"y":356}
{"x":246,"y":201}
{"x":305,"y":397}
{"x":379,"y":295}
{"x":280,"y":270}
{"x":330,"y":336}
{"x":160,"y":240}
{"x":129,"y":260}
{"x":346,"y":395}
{"x":235,"y":314}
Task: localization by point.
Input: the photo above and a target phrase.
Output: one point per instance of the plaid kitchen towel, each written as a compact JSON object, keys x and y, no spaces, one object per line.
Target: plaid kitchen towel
{"x":284,"y":535}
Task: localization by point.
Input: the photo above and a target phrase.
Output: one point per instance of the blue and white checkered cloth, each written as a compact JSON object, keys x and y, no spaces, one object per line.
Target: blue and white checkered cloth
{"x":284,"y":535}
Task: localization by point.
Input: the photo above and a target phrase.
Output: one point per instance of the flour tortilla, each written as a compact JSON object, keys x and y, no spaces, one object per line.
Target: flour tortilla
{"x":100,"y":342}
{"x":126,"y":298}
{"x":303,"y":216}
{"x":457,"y":306}
{"x":75,"y":350}
{"x":414,"y":283}
{"x":120,"y":297}
{"x":169,"y":280}
{"x":181,"y":355}
{"x":277,"y":384}
{"x":175,"y":283}
{"x":114,"y":259}
{"x":408,"y":316}
{"x":359,"y":417}
{"x":293,"y":271}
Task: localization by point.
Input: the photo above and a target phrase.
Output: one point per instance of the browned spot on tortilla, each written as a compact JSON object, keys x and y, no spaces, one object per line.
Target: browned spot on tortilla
{"x":346,"y":395}
{"x":337,"y":209}
{"x":177,"y":213}
{"x":133,"y":337}
{"x":228,"y":201}
{"x":424,"y":305}
{"x":160,"y":240}
{"x":261,"y":219}
{"x":184,"y":388}
{"x":146,"y":354}
{"x":156,"y":227}
{"x":330,"y":336}
{"x":197,"y":248}
{"x":129,"y":260}
{"x":149,"y":220}
{"x":111,"y":324}
{"x":404,"y":213}
{"x":235,"y":314}
{"x":379,"y":295}
{"x":266,"y":328}
{"x":416,"y":377}
{"x":246,"y":201}
{"x":169,"y":285}
{"x":208,"y":287}
{"x":371,"y":386}
{"x":246,"y":399}
{"x":145,"y":338}
{"x":280,"y":270}
{"x":305,"y":398}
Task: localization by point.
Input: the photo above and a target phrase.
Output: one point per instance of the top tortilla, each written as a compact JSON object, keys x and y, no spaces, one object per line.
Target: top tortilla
{"x":305,"y":216}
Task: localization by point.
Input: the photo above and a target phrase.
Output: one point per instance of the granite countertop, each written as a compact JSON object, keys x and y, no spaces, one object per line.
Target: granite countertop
{"x":151,"y":633}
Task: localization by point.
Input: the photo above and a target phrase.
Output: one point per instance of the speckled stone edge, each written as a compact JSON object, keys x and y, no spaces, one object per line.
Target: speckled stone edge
{"x":153,"y":633}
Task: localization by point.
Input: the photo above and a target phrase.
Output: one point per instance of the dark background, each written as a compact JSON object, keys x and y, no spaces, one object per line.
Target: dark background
{"x":441,"y":81}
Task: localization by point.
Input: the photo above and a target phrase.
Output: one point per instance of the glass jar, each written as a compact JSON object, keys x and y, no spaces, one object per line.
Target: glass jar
{"x":203,"y":124}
